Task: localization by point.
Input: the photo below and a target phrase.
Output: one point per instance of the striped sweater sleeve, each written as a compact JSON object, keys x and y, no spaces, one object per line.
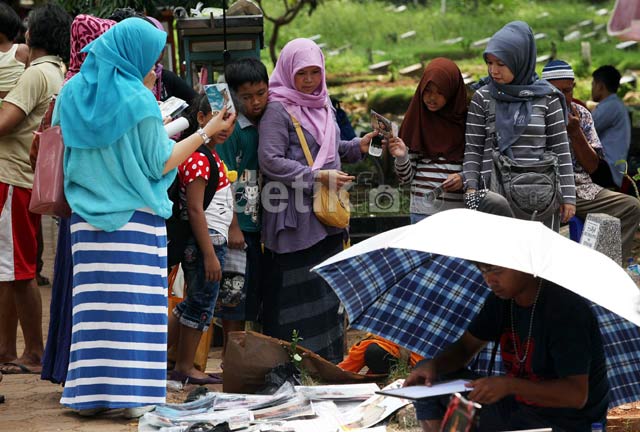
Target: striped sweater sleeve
{"x":475,"y":137}
{"x":406,"y":167}
{"x":558,"y":142}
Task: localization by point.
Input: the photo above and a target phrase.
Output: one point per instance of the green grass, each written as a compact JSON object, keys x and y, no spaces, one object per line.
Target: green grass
{"x":369,"y":27}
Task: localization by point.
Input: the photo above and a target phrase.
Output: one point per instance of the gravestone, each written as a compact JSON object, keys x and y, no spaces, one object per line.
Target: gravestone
{"x":540,"y":36}
{"x":630,"y":78}
{"x":599,"y":27}
{"x":628,"y":45}
{"x":453,"y":41}
{"x":589,"y":35}
{"x":543,"y":58}
{"x":602,"y":12}
{"x":415,"y":70}
{"x":315,"y":37}
{"x":602,"y":233}
{"x":480,"y":43}
{"x":585,"y":53}
{"x":400,"y":9}
{"x":381,"y":67}
{"x":408,"y":35}
{"x":585,"y":23}
{"x":543,"y":15}
{"x":322,"y":45}
{"x":574,"y":35}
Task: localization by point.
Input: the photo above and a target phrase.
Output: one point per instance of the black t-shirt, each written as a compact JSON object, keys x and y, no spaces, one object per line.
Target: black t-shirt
{"x":173,"y":85}
{"x":565,"y":340}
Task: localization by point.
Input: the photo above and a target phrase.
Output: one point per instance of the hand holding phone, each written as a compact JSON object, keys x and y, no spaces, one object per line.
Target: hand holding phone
{"x":375,"y":147}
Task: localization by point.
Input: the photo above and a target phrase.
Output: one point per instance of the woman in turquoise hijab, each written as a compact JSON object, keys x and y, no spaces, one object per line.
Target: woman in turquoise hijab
{"x":118,"y":165}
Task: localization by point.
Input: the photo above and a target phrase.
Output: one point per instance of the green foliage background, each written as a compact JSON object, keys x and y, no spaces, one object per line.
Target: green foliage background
{"x":372,"y":30}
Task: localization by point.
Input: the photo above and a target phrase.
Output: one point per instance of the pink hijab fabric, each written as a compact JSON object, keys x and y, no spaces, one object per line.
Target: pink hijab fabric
{"x":84,"y":29}
{"x":313,"y":111}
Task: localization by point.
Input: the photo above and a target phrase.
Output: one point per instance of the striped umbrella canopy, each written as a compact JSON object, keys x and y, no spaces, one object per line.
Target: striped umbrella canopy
{"x":398,"y":285}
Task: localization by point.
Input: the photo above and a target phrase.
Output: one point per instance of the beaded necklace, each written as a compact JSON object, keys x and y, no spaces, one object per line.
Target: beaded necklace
{"x":513,"y":330}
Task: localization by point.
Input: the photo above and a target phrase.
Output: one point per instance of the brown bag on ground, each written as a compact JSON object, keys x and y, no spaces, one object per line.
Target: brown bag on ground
{"x":251,"y":355}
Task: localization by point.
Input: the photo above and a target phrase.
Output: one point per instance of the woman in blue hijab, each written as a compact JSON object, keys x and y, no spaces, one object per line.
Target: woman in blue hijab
{"x":519,"y":116}
{"x":118,"y":165}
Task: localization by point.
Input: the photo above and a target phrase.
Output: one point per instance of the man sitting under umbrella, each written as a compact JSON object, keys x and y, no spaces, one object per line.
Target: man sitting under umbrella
{"x":552,"y":354}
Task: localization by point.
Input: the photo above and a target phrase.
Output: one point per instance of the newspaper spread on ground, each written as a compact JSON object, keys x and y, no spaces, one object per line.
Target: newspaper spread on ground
{"x":252,"y":402}
{"x":339,"y":391}
{"x":156,"y":422}
{"x":288,"y":410}
{"x":298,"y":406}
{"x":374,"y":410}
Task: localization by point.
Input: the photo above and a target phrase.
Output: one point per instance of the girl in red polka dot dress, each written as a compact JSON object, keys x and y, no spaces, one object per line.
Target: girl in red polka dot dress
{"x":205,"y":251}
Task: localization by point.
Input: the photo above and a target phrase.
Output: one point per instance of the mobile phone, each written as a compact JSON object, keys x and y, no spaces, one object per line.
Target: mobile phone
{"x":375,"y":147}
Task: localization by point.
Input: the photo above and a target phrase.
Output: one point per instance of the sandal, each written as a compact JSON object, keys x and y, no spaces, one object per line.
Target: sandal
{"x":175,"y":375}
{"x":15,"y":368}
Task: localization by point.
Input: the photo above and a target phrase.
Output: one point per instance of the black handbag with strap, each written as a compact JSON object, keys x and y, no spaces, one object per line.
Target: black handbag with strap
{"x":532,"y":188}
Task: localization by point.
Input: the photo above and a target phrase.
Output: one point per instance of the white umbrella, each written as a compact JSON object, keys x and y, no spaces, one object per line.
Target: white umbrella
{"x":521,"y":245}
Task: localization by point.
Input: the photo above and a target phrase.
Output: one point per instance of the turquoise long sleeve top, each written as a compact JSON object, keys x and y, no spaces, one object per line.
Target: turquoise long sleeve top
{"x":106,"y":185}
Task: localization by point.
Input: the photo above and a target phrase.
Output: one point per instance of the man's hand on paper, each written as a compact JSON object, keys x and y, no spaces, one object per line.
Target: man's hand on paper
{"x":423,"y":374}
{"x":489,"y":390}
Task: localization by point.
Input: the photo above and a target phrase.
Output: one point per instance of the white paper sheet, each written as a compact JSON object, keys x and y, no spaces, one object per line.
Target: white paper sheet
{"x":421,"y":392}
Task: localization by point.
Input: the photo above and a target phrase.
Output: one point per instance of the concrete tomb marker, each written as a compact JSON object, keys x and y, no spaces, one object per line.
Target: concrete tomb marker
{"x":602,"y":233}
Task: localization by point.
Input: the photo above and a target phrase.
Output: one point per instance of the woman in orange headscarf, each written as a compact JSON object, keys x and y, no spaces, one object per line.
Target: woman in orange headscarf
{"x":429,"y":149}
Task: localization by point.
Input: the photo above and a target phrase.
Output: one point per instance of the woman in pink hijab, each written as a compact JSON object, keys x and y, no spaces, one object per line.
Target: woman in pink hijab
{"x":294,"y":239}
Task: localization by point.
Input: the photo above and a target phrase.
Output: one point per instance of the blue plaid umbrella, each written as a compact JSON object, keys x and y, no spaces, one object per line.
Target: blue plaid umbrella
{"x":424,"y":301}
{"x":408,"y":295}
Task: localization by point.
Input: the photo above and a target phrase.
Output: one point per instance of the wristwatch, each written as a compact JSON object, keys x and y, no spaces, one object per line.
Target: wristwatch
{"x":204,"y":135}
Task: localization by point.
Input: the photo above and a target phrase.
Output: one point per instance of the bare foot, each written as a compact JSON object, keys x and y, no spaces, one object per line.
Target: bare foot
{"x":8,"y":358}
{"x":30,"y":360}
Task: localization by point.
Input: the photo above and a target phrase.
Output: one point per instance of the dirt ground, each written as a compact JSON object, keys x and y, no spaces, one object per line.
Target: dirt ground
{"x":33,"y":405}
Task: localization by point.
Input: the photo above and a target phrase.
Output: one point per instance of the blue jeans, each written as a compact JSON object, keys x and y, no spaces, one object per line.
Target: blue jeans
{"x":196,"y":310}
